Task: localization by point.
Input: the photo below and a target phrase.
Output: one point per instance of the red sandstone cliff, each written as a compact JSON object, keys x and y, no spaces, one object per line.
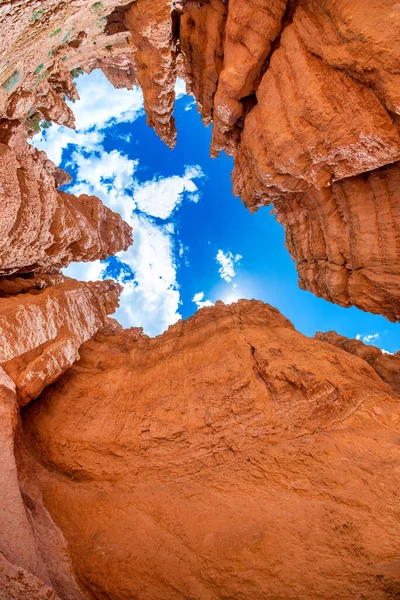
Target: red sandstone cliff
{"x":229,"y":457}
{"x":42,"y":228}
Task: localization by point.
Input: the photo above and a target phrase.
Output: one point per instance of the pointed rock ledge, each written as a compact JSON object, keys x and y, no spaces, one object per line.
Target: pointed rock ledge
{"x":42,"y":228}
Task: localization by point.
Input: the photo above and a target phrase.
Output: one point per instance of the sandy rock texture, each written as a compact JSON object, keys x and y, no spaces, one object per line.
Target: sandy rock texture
{"x":150,"y":25}
{"x":33,"y":551}
{"x":41,"y":43}
{"x":230,"y":457}
{"x":43,"y":328}
{"x":345,"y":240}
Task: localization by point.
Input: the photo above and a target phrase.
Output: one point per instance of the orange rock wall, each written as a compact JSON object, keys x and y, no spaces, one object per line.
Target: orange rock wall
{"x":42,"y":228}
{"x":42,"y":330}
{"x":306,"y":94}
{"x":386,"y":365}
{"x":229,"y":457}
{"x":345,"y":240}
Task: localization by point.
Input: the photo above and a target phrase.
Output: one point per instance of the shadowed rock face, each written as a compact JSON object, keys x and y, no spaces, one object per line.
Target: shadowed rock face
{"x":229,"y":457}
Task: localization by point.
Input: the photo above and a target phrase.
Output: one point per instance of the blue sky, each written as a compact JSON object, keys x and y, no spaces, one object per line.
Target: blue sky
{"x":194,"y":242}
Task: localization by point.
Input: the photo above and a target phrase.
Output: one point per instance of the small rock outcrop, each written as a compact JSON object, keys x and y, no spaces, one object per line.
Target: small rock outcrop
{"x":42,"y":330}
{"x":386,"y":365}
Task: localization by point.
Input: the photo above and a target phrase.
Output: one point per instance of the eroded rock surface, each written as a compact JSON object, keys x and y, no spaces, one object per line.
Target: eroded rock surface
{"x":42,"y":330}
{"x":345,"y":240}
{"x":229,"y":457}
{"x":42,"y":228}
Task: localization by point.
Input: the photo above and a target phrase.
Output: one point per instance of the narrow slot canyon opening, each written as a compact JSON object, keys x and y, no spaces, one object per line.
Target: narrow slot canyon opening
{"x":199,"y":364}
{"x":194,"y":242}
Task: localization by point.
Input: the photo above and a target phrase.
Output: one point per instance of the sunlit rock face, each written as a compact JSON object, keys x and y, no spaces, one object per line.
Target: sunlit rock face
{"x":229,"y":457}
{"x":42,"y":228}
{"x":345,"y":240}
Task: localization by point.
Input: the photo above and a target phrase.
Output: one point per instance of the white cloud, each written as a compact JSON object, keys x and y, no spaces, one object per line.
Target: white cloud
{"x":108,"y":175}
{"x":198,"y":299}
{"x":180,"y":88}
{"x":227,"y":261}
{"x":160,"y":197}
{"x":151,"y":300}
{"x":367,"y":339}
{"x":100,"y":105}
{"x":127,"y":138}
{"x":371,"y":338}
{"x":85,"y":271}
{"x":55,"y":139}
{"x":190,"y":105}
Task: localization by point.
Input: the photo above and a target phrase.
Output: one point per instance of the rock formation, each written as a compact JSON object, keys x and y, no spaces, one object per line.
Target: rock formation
{"x":42,"y":228}
{"x":229,"y":457}
{"x":41,"y":330}
{"x":345,"y":240}
{"x":386,"y":365}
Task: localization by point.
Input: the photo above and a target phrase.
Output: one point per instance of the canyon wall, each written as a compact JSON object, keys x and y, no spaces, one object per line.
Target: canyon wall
{"x":305,"y":96}
{"x":229,"y":457}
